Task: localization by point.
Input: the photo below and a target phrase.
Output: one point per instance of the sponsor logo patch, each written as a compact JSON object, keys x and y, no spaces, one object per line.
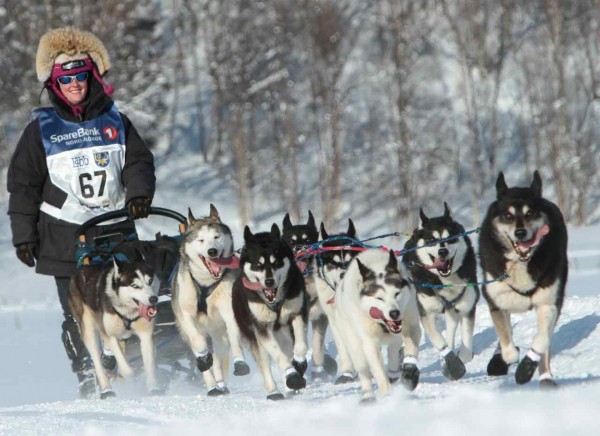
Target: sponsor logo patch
{"x":110,"y":133}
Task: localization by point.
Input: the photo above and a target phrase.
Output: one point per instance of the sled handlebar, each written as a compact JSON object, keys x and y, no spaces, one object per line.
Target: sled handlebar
{"x":124,"y":213}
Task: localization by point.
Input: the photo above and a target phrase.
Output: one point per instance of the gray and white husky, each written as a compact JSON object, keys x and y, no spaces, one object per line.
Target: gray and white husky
{"x":115,"y":300}
{"x":202,"y":299}
{"x":375,"y":306}
{"x":445,"y":275}
{"x":523,"y":252}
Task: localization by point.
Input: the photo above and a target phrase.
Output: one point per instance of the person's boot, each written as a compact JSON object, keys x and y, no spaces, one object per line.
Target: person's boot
{"x":87,"y":383}
{"x":81,"y":362}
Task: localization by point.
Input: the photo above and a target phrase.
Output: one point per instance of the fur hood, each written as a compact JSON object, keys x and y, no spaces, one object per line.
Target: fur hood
{"x":70,"y":43}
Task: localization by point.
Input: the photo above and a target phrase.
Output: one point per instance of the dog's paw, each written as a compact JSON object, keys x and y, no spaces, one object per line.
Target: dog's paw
{"x":453,"y":368}
{"x":344,"y":378}
{"x":497,"y":366}
{"x":109,"y":361}
{"x":126,"y":371}
{"x":410,"y":376}
{"x":548,"y":384}
{"x":525,"y":370}
{"x":241,"y":368}
{"x":300,"y":367}
{"x":367,"y":399}
{"x":156,"y":392}
{"x":293,"y":380}
{"x":275,"y":396}
{"x":330,"y":365}
{"x":204,"y":363}
{"x":107,"y":394}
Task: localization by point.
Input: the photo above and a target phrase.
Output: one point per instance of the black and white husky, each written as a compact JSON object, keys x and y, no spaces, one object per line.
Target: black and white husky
{"x":201,"y":299}
{"x":270,"y":307}
{"x":115,"y":300}
{"x":523,"y":251}
{"x":298,"y":237}
{"x":329,"y":268}
{"x":376,"y":305}
{"x":445,"y":275}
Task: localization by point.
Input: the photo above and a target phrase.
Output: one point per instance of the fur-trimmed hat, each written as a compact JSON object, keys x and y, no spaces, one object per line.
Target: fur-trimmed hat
{"x":67,"y":44}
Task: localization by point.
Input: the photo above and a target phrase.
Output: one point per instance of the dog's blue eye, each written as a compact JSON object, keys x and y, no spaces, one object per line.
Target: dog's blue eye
{"x":508,"y":216}
{"x":135,"y":286}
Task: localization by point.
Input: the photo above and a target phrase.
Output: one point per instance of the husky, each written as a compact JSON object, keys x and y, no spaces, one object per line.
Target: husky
{"x":523,"y":253}
{"x":270,"y":307}
{"x":115,"y":300}
{"x":445,"y":275}
{"x":201,"y":299}
{"x":329,"y":268}
{"x":298,"y":237}
{"x":376,"y":305}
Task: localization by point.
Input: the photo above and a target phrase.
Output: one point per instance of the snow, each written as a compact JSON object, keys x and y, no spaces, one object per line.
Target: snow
{"x":38,"y":390}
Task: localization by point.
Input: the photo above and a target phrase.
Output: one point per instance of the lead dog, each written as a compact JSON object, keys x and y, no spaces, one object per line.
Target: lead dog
{"x":445,"y":275}
{"x":270,"y":307}
{"x":376,"y":305}
{"x":202,"y":299}
{"x":523,"y":251}
{"x":115,"y":300}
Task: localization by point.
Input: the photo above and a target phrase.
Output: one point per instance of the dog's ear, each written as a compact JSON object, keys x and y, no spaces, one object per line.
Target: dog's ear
{"x":275,"y":231}
{"x":392,"y":265}
{"x":138,"y":256}
{"x":287,"y":223}
{"x":214,"y":214}
{"x":447,"y":212}
{"x":351,"y":230}
{"x":536,"y":185}
{"x":248,"y":236}
{"x":423,"y":217}
{"x":365,"y":271}
{"x":311,"y":221}
{"x":501,"y":186}
{"x":324,"y":234}
{"x":191,"y":218}
{"x":118,"y":264}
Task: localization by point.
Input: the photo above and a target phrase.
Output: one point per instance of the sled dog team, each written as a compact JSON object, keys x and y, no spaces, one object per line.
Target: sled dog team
{"x":368,"y":297}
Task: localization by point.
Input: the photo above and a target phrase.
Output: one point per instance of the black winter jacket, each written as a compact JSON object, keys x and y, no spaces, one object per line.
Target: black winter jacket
{"x":29,"y":185}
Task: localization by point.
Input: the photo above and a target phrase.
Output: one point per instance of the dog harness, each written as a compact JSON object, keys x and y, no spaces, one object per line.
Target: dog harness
{"x":126,"y":320}
{"x":85,"y":161}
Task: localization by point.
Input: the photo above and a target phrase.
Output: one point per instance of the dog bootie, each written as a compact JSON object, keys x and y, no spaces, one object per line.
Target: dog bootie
{"x":275,"y":396}
{"x":300,"y":366}
{"x":410,"y":376}
{"x":109,"y":362}
{"x":527,"y":367}
{"x":293,"y":380}
{"x":205,"y":362}
{"x":453,"y":367}
{"x":497,"y":366}
{"x":346,"y":377}
{"x":240,"y":368}
{"x":330,"y":365}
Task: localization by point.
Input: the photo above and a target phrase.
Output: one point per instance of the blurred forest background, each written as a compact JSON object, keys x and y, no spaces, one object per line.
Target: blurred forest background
{"x":343,"y":106}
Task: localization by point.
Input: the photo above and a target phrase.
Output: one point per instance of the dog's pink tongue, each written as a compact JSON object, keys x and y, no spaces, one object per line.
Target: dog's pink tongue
{"x":231,"y":262}
{"x":439,"y":263}
{"x":147,"y":312}
{"x":253,"y":286}
{"x":302,"y":265}
{"x":375,"y":313}
{"x":542,"y":231}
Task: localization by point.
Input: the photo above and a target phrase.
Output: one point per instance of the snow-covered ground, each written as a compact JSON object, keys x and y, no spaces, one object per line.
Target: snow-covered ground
{"x":38,"y":391}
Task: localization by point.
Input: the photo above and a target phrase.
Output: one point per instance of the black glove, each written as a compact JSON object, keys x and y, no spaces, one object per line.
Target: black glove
{"x":139,"y":207}
{"x":27,"y":253}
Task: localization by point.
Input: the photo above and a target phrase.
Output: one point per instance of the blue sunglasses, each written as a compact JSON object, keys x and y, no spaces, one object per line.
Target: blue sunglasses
{"x":66,"y":80}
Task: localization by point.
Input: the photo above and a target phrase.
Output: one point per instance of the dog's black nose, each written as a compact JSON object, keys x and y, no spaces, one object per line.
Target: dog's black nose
{"x":520,"y":234}
{"x":394,"y":314}
{"x":270,"y":282}
{"x":443,"y":252}
{"x":153,"y":300}
{"x":212,"y":252}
